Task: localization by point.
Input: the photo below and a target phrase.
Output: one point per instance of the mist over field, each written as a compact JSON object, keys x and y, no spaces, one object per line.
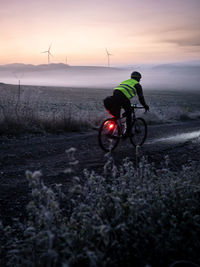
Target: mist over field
{"x":168,"y":76}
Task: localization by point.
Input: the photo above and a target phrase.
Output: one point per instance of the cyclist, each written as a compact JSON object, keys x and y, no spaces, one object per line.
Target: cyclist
{"x":121,"y":98}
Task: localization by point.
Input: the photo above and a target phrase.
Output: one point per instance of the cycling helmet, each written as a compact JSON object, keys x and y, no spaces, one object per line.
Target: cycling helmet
{"x":136,"y":75}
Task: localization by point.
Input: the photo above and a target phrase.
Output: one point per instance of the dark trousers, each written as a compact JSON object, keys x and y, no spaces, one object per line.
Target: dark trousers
{"x":121,"y":101}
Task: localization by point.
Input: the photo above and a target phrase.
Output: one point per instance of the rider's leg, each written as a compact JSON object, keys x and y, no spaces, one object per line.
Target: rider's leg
{"x":127,"y":107}
{"x":117,"y":104}
{"x":122,"y":101}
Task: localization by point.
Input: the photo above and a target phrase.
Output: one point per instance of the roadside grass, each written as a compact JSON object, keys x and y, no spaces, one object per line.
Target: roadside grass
{"x":20,"y":117}
{"x":15,"y":125}
{"x":127,"y":216}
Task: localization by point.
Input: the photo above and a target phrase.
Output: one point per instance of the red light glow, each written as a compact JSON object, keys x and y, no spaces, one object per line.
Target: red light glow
{"x":111,"y":126}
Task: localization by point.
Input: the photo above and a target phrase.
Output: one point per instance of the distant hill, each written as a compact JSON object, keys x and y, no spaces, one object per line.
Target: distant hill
{"x":192,"y":68}
{"x":53,"y":66}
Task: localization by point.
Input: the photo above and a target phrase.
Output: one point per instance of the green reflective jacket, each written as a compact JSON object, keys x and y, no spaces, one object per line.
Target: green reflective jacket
{"x":128,"y":88}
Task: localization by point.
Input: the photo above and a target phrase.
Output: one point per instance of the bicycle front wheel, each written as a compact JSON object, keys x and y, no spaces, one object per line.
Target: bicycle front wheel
{"x":138,"y":132}
{"x":109,"y":136}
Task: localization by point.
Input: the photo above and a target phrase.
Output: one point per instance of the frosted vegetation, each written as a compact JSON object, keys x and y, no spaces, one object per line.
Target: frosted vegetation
{"x":126,"y":216}
{"x":56,"y":109}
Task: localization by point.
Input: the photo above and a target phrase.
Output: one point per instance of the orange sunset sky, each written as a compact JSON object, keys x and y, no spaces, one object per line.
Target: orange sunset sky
{"x":143,"y":31}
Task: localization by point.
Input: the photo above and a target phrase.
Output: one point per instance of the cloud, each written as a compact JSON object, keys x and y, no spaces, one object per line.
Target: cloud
{"x":184,"y":37}
{"x":185,"y":42}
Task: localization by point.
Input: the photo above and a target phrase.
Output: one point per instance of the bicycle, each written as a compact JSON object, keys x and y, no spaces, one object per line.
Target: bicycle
{"x":112,"y":130}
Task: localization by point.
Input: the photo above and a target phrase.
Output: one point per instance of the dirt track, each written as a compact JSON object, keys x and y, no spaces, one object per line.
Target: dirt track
{"x":47,"y":153}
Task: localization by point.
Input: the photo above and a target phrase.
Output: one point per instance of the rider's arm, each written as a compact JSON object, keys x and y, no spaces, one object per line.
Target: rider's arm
{"x":139,"y":91}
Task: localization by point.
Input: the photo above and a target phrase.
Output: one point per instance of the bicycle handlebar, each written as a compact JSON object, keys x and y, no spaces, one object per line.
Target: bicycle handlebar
{"x":136,"y":106}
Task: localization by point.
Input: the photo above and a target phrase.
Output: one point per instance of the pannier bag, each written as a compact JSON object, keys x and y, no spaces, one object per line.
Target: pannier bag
{"x":110,"y":105}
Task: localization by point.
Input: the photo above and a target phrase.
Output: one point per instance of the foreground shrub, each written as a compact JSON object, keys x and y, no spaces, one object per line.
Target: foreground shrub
{"x":126,"y":217}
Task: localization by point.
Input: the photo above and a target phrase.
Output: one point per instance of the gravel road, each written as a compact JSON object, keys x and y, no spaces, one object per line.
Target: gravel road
{"x":181,"y":141}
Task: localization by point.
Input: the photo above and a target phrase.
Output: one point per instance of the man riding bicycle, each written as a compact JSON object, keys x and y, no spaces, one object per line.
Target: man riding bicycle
{"x":121,"y":98}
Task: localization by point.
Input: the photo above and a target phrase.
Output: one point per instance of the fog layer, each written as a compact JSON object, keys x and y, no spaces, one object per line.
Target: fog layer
{"x":174,"y":76}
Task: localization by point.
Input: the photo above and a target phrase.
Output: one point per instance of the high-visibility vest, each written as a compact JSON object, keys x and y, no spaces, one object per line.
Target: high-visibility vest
{"x":128,"y":88}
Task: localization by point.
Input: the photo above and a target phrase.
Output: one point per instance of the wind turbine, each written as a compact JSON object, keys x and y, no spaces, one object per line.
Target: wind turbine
{"x":108,"y":55}
{"x":49,"y":53}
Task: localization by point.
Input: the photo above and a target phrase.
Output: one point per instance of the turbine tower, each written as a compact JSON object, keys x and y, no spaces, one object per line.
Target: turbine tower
{"x":49,"y":53}
{"x":108,"y":55}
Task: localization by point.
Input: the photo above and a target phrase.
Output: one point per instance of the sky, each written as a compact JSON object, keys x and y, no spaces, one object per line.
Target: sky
{"x":79,"y":31}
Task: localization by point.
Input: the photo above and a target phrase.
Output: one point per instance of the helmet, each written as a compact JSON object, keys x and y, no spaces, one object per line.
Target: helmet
{"x":136,"y":75}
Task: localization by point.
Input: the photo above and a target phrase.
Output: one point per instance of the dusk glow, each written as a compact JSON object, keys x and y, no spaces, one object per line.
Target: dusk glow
{"x":144,"y":31}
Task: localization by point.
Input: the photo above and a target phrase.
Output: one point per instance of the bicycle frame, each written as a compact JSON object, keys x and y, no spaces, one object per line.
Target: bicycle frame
{"x":114,"y":129}
{"x":122,"y":124}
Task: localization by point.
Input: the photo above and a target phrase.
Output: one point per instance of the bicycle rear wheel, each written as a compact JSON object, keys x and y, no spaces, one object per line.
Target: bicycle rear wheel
{"x":139,"y":132}
{"x":109,"y":135}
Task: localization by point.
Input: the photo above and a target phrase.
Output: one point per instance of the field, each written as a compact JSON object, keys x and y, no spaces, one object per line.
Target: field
{"x":84,"y":208}
{"x":55,"y":109}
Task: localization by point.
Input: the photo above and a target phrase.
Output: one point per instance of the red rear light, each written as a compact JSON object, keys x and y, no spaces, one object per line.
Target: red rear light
{"x":111,"y":126}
